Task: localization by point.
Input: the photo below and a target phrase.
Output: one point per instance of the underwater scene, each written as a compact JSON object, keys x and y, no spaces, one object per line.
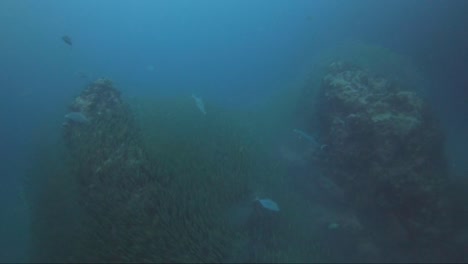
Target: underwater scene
{"x":233,"y":131}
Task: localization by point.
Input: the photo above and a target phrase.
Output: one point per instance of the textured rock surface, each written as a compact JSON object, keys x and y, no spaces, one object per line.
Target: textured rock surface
{"x":385,"y":150}
{"x":112,"y":172}
{"x":158,"y":201}
{"x":110,"y":139}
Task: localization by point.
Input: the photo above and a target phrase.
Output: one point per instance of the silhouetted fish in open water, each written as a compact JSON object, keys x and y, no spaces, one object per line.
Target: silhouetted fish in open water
{"x":268,"y":204}
{"x":67,"y":40}
{"x":199,"y":103}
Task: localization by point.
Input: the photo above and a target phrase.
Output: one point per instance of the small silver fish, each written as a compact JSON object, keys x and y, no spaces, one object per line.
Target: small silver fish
{"x":268,"y":204}
{"x":77,"y":117}
{"x":306,"y":136}
{"x":199,"y":103}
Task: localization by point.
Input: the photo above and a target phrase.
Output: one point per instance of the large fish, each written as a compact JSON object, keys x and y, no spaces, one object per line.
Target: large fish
{"x":67,"y":40}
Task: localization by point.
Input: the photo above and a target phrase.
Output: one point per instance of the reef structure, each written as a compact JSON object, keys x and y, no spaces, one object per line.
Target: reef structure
{"x":112,"y":174}
{"x":385,"y":150}
{"x":142,"y":205}
{"x":108,"y":141}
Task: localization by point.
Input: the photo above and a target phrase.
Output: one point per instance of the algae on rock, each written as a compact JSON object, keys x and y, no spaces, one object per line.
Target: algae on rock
{"x":385,"y":149}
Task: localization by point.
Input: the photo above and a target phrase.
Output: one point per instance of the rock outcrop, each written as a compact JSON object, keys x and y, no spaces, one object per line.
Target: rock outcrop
{"x":385,"y":150}
{"x":112,"y":173}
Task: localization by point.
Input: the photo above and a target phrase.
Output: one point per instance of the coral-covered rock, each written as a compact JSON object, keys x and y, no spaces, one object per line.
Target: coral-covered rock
{"x":97,"y":99}
{"x":385,"y":149}
{"x":112,"y":170}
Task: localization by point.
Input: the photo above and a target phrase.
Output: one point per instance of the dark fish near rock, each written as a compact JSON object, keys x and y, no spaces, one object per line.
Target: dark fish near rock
{"x":83,"y":76}
{"x":67,"y":40}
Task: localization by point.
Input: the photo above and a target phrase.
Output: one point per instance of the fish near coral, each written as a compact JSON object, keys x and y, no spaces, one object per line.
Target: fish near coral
{"x":76,"y":117}
{"x":306,"y":136}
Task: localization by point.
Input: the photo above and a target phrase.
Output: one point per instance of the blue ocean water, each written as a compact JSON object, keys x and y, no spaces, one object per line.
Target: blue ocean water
{"x":233,"y":53}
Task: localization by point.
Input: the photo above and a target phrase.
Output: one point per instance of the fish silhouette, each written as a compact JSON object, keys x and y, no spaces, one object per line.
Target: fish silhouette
{"x":67,"y":40}
{"x":306,"y":136}
{"x":76,"y":117}
{"x":268,"y":204}
{"x":199,"y":103}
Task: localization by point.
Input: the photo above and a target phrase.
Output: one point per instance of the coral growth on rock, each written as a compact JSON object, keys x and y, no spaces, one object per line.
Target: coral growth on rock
{"x":112,"y":172}
{"x":156,"y":202}
{"x":385,"y":150}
